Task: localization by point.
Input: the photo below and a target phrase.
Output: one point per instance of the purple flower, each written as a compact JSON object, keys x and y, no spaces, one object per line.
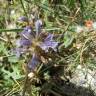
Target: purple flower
{"x":38,"y":25}
{"x":33,"y":62}
{"x":23,"y":19}
{"x":49,"y":43}
{"x":36,"y":43}
{"x":27,"y":32}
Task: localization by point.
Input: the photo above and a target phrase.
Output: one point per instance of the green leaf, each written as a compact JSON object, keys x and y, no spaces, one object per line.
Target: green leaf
{"x":13,"y":59}
{"x":21,"y":29}
{"x":15,"y":74}
{"x":3,"y":49}
{"x":10,"y":30}
{"x":68,"y":38}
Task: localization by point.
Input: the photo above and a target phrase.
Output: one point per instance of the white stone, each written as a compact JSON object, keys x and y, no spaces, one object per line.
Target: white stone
{"x":79,"y":29}
{"x":94,"y":25}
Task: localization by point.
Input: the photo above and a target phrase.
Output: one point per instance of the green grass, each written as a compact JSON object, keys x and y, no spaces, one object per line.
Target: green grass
{"x":60,"y":18}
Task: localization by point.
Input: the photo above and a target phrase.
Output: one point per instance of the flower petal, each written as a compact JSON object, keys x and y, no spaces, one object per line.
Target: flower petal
{"x":23,"y":19}
{"x":49,"y":37}
{"x":25,"y":42}
{"x":34,"y":61}
{"x":38,"y":25}
{"x":49,"y":43}
{"x":27,"y":32}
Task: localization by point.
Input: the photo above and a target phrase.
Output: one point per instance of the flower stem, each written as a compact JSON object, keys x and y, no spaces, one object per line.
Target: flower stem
{"x":25,"y":82}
